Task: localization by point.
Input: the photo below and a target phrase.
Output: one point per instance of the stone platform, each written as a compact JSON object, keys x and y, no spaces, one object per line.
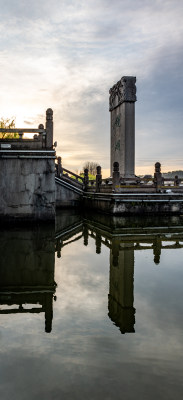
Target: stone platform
{"x":134,"y":203}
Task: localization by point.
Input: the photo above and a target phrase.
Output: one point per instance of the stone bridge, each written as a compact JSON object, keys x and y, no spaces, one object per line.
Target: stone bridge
{"x":33,"y":182}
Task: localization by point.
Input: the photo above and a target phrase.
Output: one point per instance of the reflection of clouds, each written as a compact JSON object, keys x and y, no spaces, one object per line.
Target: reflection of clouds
{"x":85,"y":355}
{"x":81,"y":288}
{"x":158,"y":292}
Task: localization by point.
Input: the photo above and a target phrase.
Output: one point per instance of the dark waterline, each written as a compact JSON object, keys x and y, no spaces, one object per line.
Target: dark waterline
{"x":92,"y":308}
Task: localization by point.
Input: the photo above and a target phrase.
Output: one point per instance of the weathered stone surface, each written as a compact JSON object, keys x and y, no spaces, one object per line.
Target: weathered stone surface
{"x":66,"y":197}
{"x":122,"y":106}
{"x":137,"y":203}
{"x":27,"y":188}
{"x":123,"y":90}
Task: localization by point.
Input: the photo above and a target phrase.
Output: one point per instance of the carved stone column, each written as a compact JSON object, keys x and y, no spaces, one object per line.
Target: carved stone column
{"x":49,"y":128}
{"x":122,"y":107}
{"x":98,"y":178}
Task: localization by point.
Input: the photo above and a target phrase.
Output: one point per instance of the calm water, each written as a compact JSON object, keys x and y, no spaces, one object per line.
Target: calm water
{"x":92,"y":309}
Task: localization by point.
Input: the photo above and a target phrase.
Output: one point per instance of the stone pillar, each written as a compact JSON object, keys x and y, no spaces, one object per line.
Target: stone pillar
{"x":86,"y":178}
{"x":59,"y":167}
{"x":176,"y":181}
{"x":158,"y":179}
{"x":41,"y":126}
{"x":122,"y":107}
{"x":49,"y":128}
{"x":116,"y":175}
{"x":98,"y":179}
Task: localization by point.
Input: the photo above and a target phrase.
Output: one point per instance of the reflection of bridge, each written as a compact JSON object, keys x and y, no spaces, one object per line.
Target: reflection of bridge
{"x":27,"y":265}
{"x":122,"y":240}
{"x":27,"y":272}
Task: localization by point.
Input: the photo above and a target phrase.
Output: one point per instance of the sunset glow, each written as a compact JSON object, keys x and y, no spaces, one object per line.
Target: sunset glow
{"x":68,"y":54}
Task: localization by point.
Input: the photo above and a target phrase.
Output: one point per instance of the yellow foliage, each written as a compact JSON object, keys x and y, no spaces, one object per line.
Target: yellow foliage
{"x":8,"y":123}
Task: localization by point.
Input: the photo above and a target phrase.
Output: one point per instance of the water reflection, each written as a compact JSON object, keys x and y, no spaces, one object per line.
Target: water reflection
{"x":27,"y":260}
{"x":121,"y":289}
{"x":114,"y":276}
{"x":123,"y":236}
{"x":120,"y":298}
{"x":27,"y":264}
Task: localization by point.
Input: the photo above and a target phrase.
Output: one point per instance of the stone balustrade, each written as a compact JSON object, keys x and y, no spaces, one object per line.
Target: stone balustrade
{"x":42,"y":137}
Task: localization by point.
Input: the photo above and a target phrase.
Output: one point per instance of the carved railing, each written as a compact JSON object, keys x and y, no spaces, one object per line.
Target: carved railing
{"x":42,"y":137}
{"x":21,"y":132}
{"x":38,"y":139}
{"x":118,"y":184}
{"x":67,"y":175}
{"x":148,"y":184}
{"x":72,"y":176}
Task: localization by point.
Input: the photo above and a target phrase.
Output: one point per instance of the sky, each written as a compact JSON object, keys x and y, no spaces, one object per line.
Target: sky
{"x":67,"y":54}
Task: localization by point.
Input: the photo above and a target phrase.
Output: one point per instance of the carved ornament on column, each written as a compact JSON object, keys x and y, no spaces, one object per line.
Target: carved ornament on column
{"x":123,"y":90}
{"x":49,"y":114}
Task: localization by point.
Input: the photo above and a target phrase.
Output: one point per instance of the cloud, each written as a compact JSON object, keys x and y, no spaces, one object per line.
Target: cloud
{"x":68,"y":54}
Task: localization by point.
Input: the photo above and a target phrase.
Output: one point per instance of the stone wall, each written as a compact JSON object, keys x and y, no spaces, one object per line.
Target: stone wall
{"x":27,"y":185}
{"x":67,"y":197}
{"x":134,"y":203}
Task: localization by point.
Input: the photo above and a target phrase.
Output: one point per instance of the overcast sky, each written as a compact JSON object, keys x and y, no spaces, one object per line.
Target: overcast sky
{"x":66,"y":54}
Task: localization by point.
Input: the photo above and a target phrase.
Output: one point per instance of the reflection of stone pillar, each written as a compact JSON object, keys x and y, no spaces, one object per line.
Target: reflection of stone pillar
{"x":85,"y":235}
{"x":157,"y":250}
{"x":48,"y":312}
{"x":121,"y":298}
{"x":114,"y":256}
{"x":98,"y":242}
{"x":122,"y":107}
{"x":58,"y":247}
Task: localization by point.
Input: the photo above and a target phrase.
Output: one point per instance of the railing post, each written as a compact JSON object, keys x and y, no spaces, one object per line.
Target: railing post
{"x":49,"y":128}
{"x":176,"y":181}
{"x":86,"y":179}
{"x":41,"y":126}
{"x":98,"y":179}
{"x":20,"y":135}
{"x":158,"y":179}
{"x":59,"y":168}
{"x":116,"y":175}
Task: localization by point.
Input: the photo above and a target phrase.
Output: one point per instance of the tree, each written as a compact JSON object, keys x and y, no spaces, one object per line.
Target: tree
{"x":8,"y":123}
{"x":91,"y":166}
